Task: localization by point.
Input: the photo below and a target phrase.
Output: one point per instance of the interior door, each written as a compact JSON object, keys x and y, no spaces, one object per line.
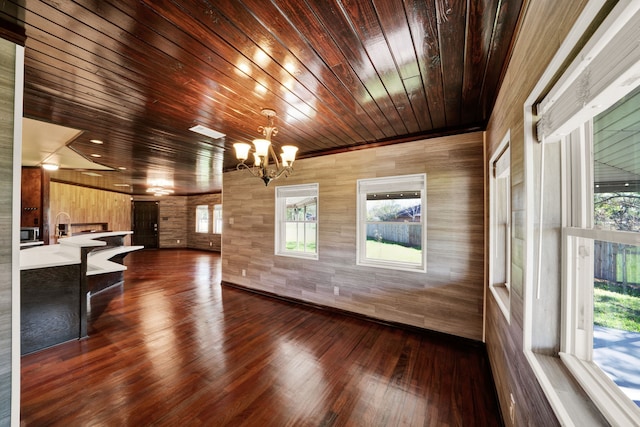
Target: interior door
{"x":145,"y":224}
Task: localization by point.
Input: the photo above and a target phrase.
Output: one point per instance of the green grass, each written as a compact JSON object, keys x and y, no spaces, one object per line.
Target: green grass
{"x":294,"y":246}
{"x":393,"y":252}
{"x":614,"y":309}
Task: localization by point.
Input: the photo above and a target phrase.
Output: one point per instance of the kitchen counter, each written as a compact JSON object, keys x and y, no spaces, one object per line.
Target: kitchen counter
{"x":56,"y":282}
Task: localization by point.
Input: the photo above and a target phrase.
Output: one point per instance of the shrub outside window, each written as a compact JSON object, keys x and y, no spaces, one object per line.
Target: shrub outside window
{"x":391,"y":222}
{"x":297,"y":221}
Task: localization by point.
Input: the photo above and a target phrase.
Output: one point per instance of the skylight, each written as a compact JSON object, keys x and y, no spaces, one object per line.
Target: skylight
{"x":203,"y":130}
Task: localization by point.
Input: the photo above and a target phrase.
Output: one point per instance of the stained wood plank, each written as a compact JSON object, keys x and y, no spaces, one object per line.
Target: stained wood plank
{"x":481,"y":16}
{"x":173,"y":347}
{"x":424,"y":33}
{"x":451,"y":17}
{"x":364,"y":19}
{"x":341,"y":74}
{"x":393,"y":19}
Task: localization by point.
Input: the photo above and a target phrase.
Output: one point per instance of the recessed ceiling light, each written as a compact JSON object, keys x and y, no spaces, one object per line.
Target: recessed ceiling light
{"x":203,"y":130}
{"x":122,"y":168}
{"x":50,"y":166}
{"x":96,"y":155}
{"x":121,"y":185}
{"x":96,"y":141}
{"x":91,"y":174}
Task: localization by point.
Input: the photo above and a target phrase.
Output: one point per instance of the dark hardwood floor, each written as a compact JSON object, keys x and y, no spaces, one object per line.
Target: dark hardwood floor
{"x":175,"y":348}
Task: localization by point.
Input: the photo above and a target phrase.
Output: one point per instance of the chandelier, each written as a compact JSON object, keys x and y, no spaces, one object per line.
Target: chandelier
{"x":263,"y":149}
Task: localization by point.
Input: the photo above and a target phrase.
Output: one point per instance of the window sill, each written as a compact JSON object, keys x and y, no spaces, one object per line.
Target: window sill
{"x":569,"y":402}
{"x":501,"y":295}
{"x":300,"y":255}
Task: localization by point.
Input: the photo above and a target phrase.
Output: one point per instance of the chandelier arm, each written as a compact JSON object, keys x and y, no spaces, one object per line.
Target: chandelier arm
{"x":273,"y":154}
{"x":251,"y":169}
{"x":284,"y":171}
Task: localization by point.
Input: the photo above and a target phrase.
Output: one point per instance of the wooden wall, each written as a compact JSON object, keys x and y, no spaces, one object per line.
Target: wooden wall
{"x":205,"y":241}
{"x":88,"y":206}
{"x":172,"y":225}
{"x":7,"y":84}
{"x":31,"y":207}
{"x":543,"y":29}
{"x":448,"y":298}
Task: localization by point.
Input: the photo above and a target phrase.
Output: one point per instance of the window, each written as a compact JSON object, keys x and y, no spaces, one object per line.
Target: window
{"x":297,"y":221}
{"x":391,"y":222}
{"x":593,"y":112}
{"x":500,"y":225}
{"x":217,"y":219}
{"x":602,"y":253}
{"x":202,"y":219}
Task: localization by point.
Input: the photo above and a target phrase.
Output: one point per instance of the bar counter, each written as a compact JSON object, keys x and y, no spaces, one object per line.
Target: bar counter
{"x":56,"y":282}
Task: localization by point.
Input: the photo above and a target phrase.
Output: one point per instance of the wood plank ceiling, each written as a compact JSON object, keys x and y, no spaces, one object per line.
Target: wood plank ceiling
{"x":341,"y":74}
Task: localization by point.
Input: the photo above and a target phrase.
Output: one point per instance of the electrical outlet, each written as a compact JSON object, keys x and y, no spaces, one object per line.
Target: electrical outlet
{"x":244,"y":273}
{"x":210,"y":243}
{"x":512,"y":408}
{"x":178,"y":241}
{"x":336,"y":290}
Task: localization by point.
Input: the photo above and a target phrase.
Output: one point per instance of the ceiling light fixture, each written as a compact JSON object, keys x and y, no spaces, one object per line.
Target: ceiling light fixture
{"x":262,"y":149}
{"x":159,"y":191}
{"x":50,"y":166}
{"x":203,"y":130}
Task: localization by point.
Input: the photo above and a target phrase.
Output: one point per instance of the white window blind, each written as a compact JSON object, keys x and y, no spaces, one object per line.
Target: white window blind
{"x":605,"y":70}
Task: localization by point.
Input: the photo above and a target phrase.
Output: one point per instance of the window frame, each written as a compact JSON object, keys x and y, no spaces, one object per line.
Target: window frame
{"x":199,"y":208}
{"x":217,"y":218}
{"x":603,"y":72}
{"x":578,"y":237}
{"x":281,"y":195}
{"x":413,"y":182}
{"x":500,"y":169}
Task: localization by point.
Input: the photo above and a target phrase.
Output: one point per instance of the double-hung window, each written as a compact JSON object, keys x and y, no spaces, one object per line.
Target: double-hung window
{"x":202,"y":219}
{"x":500,"y":225}
{"x":391,"y":222}
{"x":594,"y":112}
{"x":217,"y":219}
{"x":297,"y":221}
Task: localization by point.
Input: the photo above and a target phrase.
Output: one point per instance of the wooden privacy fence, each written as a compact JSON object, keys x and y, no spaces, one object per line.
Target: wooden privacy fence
{"x":402,"y":233}
{"x":616,"y":262}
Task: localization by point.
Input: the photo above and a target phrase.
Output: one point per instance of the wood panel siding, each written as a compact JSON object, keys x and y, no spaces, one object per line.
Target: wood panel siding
{"x":448,"y":298}
{"x":94,"y":207}
{"x":172,"y":226}
{"x":89,"y":207}
{"x":7,"y":306}
{"x":31,"y":206}
{"x":535,"y":46}
{"x":205,"y":241}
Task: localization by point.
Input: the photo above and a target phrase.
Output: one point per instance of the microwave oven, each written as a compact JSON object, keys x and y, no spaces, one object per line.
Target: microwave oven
{"x":28,"y":234}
